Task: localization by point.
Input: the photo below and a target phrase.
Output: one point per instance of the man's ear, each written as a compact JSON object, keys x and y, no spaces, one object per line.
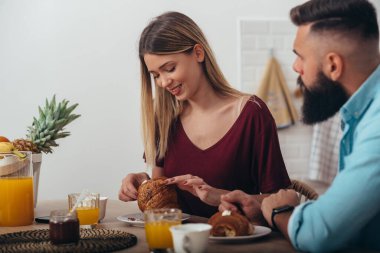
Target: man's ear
{"x":199,"y":53}
{"x":333,"y":66}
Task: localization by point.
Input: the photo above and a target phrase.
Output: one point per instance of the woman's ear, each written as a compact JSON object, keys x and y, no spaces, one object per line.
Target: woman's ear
{"x":333,"y":66}
{"x":199,"y":52}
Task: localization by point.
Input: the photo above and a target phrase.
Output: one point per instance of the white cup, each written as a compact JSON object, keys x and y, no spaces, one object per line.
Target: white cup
{"x":102,"y":207}
{"x":190,"y":237}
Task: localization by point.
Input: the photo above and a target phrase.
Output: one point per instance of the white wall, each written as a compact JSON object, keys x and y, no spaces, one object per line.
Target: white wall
{"x":86,"y":51}
{"x":259,"y":39}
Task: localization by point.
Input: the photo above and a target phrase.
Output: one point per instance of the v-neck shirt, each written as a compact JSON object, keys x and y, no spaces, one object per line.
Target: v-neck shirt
{"x":247,"y":157}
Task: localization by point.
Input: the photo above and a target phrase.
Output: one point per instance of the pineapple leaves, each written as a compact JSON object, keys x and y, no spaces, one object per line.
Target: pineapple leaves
{"x":49,"y":126}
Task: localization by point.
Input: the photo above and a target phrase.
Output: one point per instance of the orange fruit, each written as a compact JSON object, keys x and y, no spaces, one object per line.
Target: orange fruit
{"x":4,"y":139}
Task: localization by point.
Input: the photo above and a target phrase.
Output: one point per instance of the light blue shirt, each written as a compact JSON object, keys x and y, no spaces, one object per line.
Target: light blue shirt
{"x":348,"y":214}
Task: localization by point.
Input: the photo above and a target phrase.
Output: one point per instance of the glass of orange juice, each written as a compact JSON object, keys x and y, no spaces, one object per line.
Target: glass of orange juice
{"x":16,"y":189}
{"x":157,"y":224}
{"x":87,"y":209}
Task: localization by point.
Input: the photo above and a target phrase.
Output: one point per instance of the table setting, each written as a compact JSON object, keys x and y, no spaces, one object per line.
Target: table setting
{"x":86,"y":221}
{"x":83,"y":223}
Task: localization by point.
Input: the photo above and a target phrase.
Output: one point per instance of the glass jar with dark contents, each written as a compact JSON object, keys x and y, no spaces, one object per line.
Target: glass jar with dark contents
{"x":64,"y":227}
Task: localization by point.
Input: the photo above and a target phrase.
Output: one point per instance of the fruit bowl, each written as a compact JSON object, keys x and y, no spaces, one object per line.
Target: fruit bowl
{"x":11,"y":163}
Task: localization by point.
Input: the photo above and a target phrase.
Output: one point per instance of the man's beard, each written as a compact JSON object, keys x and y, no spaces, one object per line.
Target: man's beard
{"x":321,"y":101}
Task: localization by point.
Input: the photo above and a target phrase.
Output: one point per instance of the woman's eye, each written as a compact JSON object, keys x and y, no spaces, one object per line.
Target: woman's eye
{"x":171,"y":69}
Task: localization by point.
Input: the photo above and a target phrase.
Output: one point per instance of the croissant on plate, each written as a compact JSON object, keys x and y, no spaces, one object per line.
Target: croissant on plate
{"x":230,"y":224}
{"x":154,"y":193}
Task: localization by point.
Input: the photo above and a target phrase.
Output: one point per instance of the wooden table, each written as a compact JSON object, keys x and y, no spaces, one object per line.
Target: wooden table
{"x":274,"y":242}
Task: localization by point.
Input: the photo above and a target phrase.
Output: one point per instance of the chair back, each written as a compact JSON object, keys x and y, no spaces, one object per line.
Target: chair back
{"x":305,"y":192}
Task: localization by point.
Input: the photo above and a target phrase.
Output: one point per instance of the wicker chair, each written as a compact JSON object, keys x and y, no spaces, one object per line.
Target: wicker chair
{"x":305,"y":192}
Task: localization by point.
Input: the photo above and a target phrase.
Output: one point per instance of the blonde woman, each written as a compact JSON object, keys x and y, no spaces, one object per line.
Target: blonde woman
{"x":198,"y":131}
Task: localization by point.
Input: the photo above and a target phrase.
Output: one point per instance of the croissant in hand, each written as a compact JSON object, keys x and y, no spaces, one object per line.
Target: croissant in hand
{"x":230,"y":224}
{"x":154,"y":193}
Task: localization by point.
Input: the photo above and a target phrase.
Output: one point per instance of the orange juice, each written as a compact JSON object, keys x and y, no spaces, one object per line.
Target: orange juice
{"x":88,"y":215}
{"x":16,"y":201}
{"x":158,"y":234}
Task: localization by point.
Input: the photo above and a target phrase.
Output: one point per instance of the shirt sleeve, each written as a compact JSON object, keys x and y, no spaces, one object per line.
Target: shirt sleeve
{"x":337,"y":217}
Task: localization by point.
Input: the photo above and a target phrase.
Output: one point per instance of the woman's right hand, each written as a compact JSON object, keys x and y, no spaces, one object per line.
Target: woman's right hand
{"x":130,"y":184}
{"x":199,"y":188}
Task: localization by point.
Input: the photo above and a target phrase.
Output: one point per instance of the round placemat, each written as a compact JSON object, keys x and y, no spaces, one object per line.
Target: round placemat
{"x":91,"y":240}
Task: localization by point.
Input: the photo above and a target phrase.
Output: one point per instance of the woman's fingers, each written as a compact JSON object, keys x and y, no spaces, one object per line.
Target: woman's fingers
{"x":126,"y":195}
{"x":128,"y":191}
{"x":185,"y":180}
{"x":195,"y":181}
{"x":178,"y":179}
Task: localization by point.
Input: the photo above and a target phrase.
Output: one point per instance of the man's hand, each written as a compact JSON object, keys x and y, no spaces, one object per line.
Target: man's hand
{"x":248,"y":205}
{"x":282,"y":198}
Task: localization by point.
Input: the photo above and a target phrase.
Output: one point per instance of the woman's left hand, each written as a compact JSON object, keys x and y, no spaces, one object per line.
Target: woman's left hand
{"x":198,"y":187}
{"x":281,"y":198}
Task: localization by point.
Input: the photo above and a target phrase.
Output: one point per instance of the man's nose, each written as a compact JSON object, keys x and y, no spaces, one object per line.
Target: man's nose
{"x":296,"y":67}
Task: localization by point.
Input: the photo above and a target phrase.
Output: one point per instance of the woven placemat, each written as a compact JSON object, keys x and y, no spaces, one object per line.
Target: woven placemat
{"x":91,"y":240}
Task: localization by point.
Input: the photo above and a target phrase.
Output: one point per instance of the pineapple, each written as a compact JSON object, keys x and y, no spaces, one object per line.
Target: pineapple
{"x":25,"y":145}
{"x":48,"y":127}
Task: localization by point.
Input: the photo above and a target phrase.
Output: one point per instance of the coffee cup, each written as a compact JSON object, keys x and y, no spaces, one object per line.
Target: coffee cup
{"x":190,"y":237}
{"x":102,"y":207}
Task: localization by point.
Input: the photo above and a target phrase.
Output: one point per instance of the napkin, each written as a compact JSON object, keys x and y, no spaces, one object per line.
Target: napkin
{"x":274,"y":91}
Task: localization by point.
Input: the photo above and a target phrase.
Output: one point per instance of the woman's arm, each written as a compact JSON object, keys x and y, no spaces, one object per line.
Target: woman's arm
{"x":196,"y":186}
{"x":157,"y":172}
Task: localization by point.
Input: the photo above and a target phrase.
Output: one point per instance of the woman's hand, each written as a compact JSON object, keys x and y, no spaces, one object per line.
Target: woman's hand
{"x":129,"y":185}
{"x":198,"y":187}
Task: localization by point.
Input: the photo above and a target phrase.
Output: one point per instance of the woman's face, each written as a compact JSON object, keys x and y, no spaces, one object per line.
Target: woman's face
{"x":180,"y":73}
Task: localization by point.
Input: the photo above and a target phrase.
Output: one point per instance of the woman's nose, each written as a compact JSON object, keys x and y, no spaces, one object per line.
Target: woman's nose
{"x":165,"y":81}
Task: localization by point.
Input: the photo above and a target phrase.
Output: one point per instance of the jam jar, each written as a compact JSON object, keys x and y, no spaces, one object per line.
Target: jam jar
{"x":64,"y":227}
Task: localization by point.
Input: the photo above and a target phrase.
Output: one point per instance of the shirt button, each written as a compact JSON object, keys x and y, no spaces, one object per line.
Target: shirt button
{"x":342,"y":125}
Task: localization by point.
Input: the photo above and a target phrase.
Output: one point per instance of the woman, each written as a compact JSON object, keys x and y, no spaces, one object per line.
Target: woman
{"x":198,"y":131}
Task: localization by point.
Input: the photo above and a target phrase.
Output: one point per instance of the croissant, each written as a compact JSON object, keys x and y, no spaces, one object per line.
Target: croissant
{"x":230,"y":224}
{"x":154,"y":193}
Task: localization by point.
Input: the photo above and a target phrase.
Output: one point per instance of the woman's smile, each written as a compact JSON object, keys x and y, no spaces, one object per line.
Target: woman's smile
{"x":176,"y":90}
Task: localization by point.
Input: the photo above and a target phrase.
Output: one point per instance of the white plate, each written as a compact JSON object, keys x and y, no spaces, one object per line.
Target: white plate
{"x":137,"y":219}
{"x":260,"y":231}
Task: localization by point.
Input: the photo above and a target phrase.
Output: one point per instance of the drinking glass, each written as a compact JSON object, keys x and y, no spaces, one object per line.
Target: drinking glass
{"x":157,"y":224}
{"x":16,"y":190}
{"x":63,"y":227}
{"x":87,"y":209}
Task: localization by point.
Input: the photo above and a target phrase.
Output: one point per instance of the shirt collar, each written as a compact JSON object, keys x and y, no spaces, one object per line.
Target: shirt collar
{"x":359,"y":101}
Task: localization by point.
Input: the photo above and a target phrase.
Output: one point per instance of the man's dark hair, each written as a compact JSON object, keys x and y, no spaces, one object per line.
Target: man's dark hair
{"x":351,"y":17}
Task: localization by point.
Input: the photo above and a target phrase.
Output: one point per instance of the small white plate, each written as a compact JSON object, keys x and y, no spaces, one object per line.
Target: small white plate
{"x":260,"y":231}
{"x":137,"y":219}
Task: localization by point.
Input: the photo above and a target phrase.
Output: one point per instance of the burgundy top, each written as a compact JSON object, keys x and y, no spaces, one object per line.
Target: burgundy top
{"x":247,"y":157}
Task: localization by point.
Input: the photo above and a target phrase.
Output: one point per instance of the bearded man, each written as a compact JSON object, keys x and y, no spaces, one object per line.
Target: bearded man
{"x":337,"y":49}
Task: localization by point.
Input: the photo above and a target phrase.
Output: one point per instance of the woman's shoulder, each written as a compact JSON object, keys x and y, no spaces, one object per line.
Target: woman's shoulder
{"x":255,"y":109}
{"x":255,"y":103}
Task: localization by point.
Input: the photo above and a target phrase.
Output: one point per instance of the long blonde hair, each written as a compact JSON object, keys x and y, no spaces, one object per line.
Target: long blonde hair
{"x":170,"y":33}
